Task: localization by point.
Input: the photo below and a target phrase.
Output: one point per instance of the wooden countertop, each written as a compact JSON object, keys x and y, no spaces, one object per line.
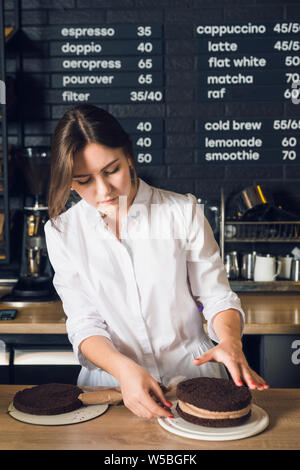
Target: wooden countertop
{"x":35,"y":318}
{"x":119,"y":429}
{"x":277,"y":313}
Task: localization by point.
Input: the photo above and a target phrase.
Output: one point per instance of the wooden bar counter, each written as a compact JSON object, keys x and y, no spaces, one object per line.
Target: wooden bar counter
{"x":271,"y":340}
{"x":275,"y":313}
{"x":119,"y":429}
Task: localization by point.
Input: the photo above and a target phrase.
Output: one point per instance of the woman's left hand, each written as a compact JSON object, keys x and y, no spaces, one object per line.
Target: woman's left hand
{"x":230,"y":353}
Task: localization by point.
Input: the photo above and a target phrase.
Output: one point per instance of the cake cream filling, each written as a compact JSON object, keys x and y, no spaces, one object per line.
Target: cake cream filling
{"x":202,"y":413}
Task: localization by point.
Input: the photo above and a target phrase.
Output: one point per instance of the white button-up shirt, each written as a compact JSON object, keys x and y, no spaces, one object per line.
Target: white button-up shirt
{"x":141,"y":292}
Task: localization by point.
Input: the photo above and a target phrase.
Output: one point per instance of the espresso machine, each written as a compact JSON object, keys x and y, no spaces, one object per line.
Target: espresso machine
{"x":36,"y":274}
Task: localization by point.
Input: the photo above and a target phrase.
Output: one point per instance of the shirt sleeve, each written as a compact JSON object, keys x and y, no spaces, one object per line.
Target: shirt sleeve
{"x":83,"y":318}
{"x":206,"y":272}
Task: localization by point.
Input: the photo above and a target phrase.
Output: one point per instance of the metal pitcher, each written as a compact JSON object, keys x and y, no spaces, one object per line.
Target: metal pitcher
{"x":232,"y":265}
{"x":295,"y":271}
{"x":248,"y":261}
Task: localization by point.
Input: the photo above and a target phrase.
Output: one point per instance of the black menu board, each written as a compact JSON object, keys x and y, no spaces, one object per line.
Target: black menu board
{"x":113,"y":64}
{"x":250,"y":62}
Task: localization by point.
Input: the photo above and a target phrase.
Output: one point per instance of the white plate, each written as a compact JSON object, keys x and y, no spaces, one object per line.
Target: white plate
{"x":257,"y":422}
{"x":77,"y":416}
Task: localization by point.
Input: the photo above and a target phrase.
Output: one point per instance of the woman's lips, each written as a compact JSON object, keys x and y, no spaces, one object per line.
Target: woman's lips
{"x":109,"y":201}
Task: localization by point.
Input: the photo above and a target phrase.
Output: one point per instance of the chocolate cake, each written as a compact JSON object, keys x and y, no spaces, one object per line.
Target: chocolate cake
{"x":48,"y":399}
{"x":213,"y":402}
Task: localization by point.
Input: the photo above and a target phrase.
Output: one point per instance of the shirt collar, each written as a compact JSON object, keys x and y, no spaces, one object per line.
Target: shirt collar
{"x":142,"y":196}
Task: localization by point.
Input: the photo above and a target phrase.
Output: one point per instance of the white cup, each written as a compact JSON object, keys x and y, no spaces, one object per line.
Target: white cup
{"x":265,"y":268}
{"x":286,"y":265}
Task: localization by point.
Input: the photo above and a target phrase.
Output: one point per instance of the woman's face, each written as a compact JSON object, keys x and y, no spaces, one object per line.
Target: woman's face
{"x":100,"y":175}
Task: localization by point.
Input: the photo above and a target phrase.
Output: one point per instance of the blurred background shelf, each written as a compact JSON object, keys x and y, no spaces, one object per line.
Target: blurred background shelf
{"x":262,"y":232}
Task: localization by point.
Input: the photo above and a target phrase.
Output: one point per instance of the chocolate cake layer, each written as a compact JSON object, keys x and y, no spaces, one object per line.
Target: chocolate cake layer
{"x":213,"y":394}
{"x":48,"y":399}
{"x":208,"y":401}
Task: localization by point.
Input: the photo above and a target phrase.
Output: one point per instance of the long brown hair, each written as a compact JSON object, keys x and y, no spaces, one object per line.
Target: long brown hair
{"x":79,"y":126}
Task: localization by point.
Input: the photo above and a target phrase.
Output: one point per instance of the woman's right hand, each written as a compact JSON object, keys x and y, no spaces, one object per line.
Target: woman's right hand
{"x":135,"y":384}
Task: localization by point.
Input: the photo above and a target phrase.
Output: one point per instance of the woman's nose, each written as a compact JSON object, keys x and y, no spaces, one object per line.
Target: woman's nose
{"x":103,"y":188}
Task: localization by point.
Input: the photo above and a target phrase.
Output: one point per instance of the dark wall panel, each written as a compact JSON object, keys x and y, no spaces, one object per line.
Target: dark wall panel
{"x":180,"y":72}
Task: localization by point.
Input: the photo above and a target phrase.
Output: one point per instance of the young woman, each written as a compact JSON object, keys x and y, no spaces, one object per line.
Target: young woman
{"x":131,"y":263}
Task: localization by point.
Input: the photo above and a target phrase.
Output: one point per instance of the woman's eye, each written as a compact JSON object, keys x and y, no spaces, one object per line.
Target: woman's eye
{"x":107,"y":173}
{"x":84,"y":182}
{"x":113,"y":171}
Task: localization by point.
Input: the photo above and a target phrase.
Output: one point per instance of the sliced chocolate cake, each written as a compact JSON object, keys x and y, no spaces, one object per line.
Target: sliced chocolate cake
{"x":48,"y":399}
{"x":209,"y":401}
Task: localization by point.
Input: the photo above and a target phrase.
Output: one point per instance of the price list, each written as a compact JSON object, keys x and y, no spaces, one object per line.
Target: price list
{"x":147,"y":138}
{"x":113,"y":64}
{"x":249,"y":63}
